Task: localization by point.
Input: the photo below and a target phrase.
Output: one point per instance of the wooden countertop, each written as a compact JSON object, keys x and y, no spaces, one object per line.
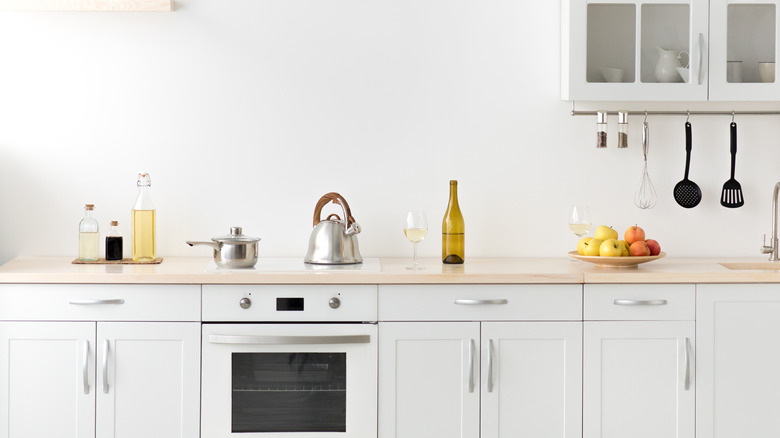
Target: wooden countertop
{"x":554,"y":270}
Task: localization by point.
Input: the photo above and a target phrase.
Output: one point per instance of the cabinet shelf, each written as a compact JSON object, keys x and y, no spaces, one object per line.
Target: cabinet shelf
{"x":88,"y":5}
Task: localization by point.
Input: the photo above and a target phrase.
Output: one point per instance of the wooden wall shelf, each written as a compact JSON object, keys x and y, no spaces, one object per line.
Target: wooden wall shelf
{"x":87,"y":5}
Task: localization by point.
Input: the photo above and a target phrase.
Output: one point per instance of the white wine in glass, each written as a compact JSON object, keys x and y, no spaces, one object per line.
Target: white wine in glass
{"x":415,"y":230}
{"x":579,"y":220}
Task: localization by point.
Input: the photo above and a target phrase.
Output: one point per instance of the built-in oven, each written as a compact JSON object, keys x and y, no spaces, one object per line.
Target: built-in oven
{"x":289,"y":361}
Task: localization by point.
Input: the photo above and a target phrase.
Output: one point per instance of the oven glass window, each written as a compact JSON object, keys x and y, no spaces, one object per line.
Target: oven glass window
{"x":289,"y":392}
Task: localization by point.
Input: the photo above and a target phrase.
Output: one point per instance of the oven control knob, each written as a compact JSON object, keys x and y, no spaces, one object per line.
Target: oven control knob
{"x":245,"y":303}
{"x":334,"y":303}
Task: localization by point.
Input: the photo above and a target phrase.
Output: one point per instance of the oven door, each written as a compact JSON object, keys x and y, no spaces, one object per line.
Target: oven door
{"x":289,"y":380}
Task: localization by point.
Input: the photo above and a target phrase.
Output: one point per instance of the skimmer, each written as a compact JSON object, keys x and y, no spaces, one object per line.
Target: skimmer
{"x":645,"y":195}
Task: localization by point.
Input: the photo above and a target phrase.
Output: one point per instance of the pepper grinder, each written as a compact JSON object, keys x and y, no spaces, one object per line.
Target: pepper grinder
{"x":601,"y":129}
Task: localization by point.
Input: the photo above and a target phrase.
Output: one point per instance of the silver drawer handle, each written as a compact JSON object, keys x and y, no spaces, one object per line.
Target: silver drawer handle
{"x":490,"y":366}
{"x":640,"y":302}
{"x":91,"y":302}
{"x":285,"y":340}
{"x":687,"y":346}
{"x":471,"y":302}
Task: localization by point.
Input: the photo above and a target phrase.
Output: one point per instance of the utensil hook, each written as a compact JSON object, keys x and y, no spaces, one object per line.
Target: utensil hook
{"x":688,"y":119}
{"x":732,"y":116}
{"x":645,"y":116}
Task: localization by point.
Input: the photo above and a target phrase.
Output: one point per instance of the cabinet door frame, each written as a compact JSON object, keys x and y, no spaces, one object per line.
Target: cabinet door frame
{"x":746,"y":364}
{"x":467,"y":334}
{"x":532,"y":390}
{"x":720,"y":88}
{"x":80,"y":338}
{"x":594,"y":335}
{"x":113,"y":361}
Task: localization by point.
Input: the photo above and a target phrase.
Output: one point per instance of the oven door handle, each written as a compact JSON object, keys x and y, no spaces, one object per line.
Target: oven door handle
{"x":286,"y":340}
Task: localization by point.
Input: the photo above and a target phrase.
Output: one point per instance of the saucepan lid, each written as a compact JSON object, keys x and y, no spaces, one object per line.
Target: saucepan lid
{"x":236,"y":236}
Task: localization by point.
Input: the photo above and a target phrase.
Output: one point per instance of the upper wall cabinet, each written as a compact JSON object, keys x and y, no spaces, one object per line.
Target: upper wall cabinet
{"x":87,"y":5}
{"x":669,"y":50}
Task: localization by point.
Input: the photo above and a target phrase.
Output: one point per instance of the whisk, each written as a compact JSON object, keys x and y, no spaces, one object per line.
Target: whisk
{"x":645,"y":195}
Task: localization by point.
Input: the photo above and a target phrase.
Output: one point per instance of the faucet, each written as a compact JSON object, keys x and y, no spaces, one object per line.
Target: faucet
{"x":772,"y":249}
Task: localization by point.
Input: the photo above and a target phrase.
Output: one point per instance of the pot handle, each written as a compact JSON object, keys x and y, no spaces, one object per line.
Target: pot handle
{"x":336,"y":199}
{"x":214,"y":245}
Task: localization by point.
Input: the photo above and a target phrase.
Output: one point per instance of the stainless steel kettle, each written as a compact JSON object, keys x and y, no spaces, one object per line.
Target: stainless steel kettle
{"x":334,"y":241}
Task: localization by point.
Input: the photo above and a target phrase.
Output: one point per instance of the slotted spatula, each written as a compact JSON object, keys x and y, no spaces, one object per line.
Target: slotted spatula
{"x":731,"y":196}
{"x":686,"y":192}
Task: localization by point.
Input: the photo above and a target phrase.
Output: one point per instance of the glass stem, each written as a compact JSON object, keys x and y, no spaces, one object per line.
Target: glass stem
{"x":415,"y":254}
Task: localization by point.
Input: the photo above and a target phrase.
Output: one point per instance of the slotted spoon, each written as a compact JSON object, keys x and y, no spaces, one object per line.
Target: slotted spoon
{"x":686,"y":192}
{"x":645,"y":195}
{"x":731,"y":196}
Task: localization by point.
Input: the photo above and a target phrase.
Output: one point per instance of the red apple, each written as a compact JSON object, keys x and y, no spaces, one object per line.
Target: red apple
{"x":655,"y":247}
{"x":634,"y":234}
{"x":639,"y":248}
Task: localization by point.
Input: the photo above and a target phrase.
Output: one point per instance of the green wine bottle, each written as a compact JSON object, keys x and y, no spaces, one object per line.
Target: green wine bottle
{"x":453,"y":236}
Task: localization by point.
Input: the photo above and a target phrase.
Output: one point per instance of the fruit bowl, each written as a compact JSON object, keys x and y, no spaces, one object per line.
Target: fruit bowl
{"x":616,"y":262}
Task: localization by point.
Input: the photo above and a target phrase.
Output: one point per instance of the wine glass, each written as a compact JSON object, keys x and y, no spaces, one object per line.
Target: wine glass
{"x":579,"y":220}
{"x":415,"y":230}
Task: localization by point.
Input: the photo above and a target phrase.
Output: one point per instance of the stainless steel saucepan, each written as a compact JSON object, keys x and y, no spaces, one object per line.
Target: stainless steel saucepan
{"x":234,"y":250}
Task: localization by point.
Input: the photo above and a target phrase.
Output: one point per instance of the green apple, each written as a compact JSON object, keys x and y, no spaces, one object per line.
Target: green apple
{"x":582,"y":244}
{"x":592,"y":247}
{"x":605,"y":233}
{"x":610,"y":248}
{"x":625,"y":246}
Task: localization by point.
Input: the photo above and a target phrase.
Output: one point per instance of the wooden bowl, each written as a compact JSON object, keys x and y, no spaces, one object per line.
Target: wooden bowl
{"x":616,"y":262}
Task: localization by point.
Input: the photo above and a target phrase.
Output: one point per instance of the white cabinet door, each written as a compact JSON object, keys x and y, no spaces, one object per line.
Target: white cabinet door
{"x":148,"y":380}
{"x":46,"y":380}
{"x":744,"y":42}
{"x":638,"y":379}
{"x":610,"y":49}
{"x":429,"y":379}
{"x":531,"y":379}
{"x":738,"y":336}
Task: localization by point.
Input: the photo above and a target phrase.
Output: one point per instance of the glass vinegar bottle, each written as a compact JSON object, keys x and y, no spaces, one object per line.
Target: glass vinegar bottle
{"x":114,"y":243}
{"x":453,"y":229}
{"x":89,"y":236}
{"x":144,"y":221}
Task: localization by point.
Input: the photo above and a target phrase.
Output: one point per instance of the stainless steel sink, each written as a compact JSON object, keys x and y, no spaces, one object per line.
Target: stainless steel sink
{"x":753,"y":266}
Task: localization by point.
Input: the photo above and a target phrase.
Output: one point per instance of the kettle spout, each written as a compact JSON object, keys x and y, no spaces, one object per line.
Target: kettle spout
{"x":353,"y":229}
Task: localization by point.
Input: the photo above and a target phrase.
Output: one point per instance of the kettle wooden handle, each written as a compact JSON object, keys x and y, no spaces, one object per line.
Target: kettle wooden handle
{"x":336,"y":199}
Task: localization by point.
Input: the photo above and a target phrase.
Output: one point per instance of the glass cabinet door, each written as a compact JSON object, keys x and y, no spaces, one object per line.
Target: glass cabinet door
{"x":632,"y":50}
{"x":744,"y":50}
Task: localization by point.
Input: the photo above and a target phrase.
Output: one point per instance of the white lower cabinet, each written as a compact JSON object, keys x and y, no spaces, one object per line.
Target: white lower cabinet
{"x":66,"y":373}
{"x":105,"y":380}
{"x":639,"y":361}
{"x":638,"y":379}
{"x":480,"y":378}
{"x":738,"y":332}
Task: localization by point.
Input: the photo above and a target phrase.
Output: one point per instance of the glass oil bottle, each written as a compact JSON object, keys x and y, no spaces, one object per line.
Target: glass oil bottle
{"x":144,"y":221}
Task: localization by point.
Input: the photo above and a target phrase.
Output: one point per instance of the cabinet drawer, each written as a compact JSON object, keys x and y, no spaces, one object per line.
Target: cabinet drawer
{"x":649,"y":302}
{"x":98,"y":302}
{"x":480,"y":302}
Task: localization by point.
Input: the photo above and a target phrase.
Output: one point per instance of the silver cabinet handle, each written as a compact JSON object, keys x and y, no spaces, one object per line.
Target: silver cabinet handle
{"x":687,"y":347}
{"x":85,"y":368}
{"x":490,"y":366}
{"x":620,"y":302}
{"x":701,"y":58}
{"x":91,"y":302}
{"x":285,"y":340}
{"x":105,"y":367}
{"x":471,"y":302}
{"x":472,"y":355}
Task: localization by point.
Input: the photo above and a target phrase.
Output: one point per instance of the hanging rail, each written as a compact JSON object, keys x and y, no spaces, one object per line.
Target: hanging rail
{"x":688,"y":113}
{"x":682,"y":113}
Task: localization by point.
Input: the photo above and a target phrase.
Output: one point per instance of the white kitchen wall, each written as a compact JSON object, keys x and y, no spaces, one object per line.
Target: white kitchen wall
{"x":245,"y":112}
